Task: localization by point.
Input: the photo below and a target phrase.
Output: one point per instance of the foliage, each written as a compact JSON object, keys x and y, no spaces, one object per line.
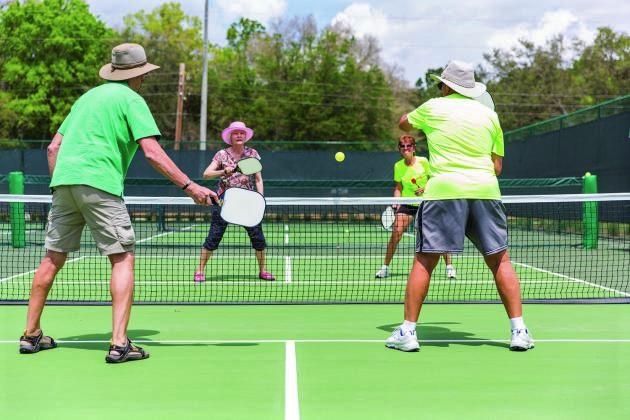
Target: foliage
{"x":290,"y":81}
{"x":532,"y":83}
{"x":293,"y":83}
{"x":169,"y":37}
{"x":51,"y":57}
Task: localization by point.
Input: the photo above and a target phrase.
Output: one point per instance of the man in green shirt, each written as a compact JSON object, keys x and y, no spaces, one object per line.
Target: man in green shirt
{"x":88,"y":159}
{"x":461,"y":198}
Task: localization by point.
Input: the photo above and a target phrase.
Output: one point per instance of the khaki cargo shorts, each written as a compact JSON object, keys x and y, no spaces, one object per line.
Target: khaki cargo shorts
{"x":74,"y":206}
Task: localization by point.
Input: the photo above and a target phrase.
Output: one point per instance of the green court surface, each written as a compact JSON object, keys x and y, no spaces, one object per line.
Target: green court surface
{"x":321,"y":361}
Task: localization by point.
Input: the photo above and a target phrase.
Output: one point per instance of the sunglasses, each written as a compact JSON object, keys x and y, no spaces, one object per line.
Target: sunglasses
{"x":406,"y":146}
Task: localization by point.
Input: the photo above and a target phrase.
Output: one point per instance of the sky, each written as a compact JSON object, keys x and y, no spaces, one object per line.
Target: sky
{"x":414,"y":35}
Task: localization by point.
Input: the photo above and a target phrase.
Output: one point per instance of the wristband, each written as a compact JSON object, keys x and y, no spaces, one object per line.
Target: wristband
{"x":187,"y":184}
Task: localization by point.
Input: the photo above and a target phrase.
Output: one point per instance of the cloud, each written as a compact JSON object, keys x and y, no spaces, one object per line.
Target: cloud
{"x":364,"y":20}
{"x":260,"y":10}
{"x":550,"y":24}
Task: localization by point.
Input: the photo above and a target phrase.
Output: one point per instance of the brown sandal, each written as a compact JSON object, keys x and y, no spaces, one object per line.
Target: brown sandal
{"x":128,"y":352}
{"x":34,"y":343}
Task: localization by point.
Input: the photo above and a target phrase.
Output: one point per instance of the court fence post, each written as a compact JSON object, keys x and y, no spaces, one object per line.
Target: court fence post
{"x":590,"y":214}
{"x":16,"y":211}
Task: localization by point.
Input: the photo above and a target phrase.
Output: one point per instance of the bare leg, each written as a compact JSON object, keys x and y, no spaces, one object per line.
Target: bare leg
{"x":448,"y":260}
{"x":121,"y":287}
{"x":507,"y":282}
{"x":260,"y":256}
{"x":203,"y":259}
{"x":418,"y":284}
{"x":400,"y":225}
{"x":42,"y":283}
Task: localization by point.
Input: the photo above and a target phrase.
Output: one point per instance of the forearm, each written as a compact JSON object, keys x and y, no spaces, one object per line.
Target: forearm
{"x":497,"y":161}
{"x":53,"y":151}
{"x":259,"y":187}
{"x":211,"y":173}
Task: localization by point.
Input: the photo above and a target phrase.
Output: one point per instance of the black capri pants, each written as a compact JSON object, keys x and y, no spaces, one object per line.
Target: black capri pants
{"x":217,"y":230}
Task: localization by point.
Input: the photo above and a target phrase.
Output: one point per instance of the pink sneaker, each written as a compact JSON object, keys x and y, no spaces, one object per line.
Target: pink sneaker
{"x":266,"y":275}
{"x":199,"y":277}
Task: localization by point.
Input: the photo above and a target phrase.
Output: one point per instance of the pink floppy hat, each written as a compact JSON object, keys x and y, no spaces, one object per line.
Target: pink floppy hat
{"x":235,"y":126}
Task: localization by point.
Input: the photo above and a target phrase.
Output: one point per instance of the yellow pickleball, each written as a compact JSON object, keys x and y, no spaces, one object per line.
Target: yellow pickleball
{"x":340,"y":156}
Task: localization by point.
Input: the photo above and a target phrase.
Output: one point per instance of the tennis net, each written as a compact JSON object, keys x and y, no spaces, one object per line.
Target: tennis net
{"x":564,"y":248}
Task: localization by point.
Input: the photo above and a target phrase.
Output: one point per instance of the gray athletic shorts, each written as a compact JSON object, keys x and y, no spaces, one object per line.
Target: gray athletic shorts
{"x":442,"y":225}
{"x":74,"y":206}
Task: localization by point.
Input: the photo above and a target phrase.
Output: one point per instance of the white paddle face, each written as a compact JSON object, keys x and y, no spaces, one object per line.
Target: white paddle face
{"x":249,"y":166}
{"x":243,"y":207}
{"x":387,"y":218}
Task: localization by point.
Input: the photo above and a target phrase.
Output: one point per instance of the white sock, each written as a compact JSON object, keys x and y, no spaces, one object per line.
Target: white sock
{"x":408,"y":326}
{"x":449,"y":266}
{"x":517,"y":323}
{"x":384,"y":267}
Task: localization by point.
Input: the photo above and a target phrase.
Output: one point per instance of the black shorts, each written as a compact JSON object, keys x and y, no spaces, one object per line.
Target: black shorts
{"x":442,"y":225}
{"x":407,"y":209}
{"x":217,"y":230}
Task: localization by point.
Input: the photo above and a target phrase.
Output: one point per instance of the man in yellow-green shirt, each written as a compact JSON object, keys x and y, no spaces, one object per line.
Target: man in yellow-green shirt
{"x":462,"y":198}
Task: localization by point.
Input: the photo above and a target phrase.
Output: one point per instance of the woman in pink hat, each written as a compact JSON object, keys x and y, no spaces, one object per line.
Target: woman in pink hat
{"x":224,"y":166}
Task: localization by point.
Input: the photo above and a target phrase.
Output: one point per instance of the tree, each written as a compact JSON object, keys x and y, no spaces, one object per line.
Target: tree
{"x":531,"y":83}
{"x":293,"y":83}
{"x":603,"y":68}
{"x":51,"y":57}
{"x":169,"y":37}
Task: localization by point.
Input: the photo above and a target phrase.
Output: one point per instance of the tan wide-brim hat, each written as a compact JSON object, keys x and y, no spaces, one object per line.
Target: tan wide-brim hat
{"x":128,"y":61}
{"x":460,"y":77}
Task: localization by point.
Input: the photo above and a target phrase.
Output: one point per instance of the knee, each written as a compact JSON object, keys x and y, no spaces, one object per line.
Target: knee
{"x":54,"y":260}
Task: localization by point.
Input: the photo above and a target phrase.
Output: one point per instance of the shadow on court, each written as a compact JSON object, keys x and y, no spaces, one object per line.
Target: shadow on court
{"x":450,"y":336}
{"x":98,"y":341}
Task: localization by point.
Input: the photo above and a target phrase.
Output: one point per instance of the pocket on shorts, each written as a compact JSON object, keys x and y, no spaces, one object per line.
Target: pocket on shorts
{"x":125,"y":235}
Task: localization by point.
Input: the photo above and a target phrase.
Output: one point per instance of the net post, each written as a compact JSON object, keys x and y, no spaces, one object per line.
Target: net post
{"x":590,"y":216}
{"x":16,"y":211}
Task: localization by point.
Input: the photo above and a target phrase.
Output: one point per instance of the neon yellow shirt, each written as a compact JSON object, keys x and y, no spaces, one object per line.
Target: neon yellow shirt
{"x":406,"y":175}
{"x":99,"y":137}
{"x":462,"y":134}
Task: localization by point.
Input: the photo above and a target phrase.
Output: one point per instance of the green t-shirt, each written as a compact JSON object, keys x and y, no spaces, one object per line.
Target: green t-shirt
{"x":99,"y":137}
{"x":462,"y":134}
{"x":406,"y":175}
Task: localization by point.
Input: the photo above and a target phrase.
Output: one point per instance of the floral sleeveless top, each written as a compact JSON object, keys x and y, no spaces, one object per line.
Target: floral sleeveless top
{"x":225,"y":159}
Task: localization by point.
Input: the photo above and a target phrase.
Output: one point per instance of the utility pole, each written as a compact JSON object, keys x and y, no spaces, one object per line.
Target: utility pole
{"x":204,"y":83}
{"x":180,"y":105}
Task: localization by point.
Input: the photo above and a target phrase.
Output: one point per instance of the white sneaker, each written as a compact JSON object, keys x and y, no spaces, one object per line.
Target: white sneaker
{"x":521,"y":340}
{"x":450,"y":272}
{"x":406,"y":341}
{"x":383,"y":272}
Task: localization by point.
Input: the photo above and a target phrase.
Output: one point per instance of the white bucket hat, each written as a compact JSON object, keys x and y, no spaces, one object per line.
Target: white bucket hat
{"x":460,"y":77}
{"x":128,"y":61}
{"x":236,"y":126}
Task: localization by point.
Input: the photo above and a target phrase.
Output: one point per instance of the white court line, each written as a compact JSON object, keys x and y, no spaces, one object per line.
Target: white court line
{"x":286,"y":234}
{"x":350,"y":341}
{"x":288,"y":274}
{"x":291,"y":400}
{"x":88,"y":256}
{"x":575,"y":280}
{"x":163,"y":234}
{"x":34,"y":270}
